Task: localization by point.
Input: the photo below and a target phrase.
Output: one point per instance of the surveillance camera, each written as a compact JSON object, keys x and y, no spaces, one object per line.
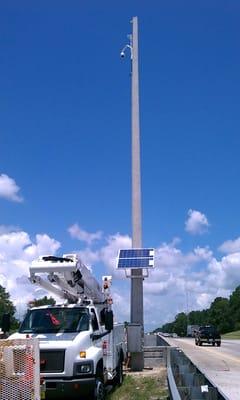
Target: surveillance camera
{"x":122,"y":54}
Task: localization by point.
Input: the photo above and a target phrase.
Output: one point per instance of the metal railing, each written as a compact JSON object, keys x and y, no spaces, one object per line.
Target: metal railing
{"x":186,"y":381}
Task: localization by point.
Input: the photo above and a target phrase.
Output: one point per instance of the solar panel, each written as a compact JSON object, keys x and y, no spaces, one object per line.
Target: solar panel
{"x":136,"y":258}
{"x":138,"y":253}
{"x":135,"y":263}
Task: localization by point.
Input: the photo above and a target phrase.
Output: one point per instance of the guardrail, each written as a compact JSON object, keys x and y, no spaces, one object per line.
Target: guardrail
{"x":186,"y":381}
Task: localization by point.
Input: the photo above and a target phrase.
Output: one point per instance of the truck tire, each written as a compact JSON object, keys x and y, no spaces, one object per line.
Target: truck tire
{"x":200,"y":343}
{"x":218,"y":344}
{"x":119,"y":376}
{"x":99,"y":391}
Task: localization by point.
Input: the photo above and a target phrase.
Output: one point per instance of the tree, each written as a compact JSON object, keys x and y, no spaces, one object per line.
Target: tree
{"x":198,"y":317}
{"x":44,"y":301}
{"x":220,"y":315}
{"x":180,"y":324}
{"x":7,"y":307}
{"x":168,"y":328}
{"x":234,"y":304}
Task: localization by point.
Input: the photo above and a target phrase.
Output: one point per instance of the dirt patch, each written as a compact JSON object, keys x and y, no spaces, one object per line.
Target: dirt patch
{"x":149,"y":384}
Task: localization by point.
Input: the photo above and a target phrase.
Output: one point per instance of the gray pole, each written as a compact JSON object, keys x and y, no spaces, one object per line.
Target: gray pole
{"x":137,"y":359}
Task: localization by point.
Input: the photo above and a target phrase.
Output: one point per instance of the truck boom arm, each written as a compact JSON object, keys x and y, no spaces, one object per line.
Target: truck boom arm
{"x":67,"y":277}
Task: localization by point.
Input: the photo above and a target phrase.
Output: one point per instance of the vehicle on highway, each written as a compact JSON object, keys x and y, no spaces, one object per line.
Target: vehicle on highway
{"x":207,"y":334}
{"x":191,"y":330}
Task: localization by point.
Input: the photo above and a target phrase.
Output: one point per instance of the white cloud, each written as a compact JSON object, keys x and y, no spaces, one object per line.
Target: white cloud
{"x":78,"y":233}
{"x":204,"y":299}
{"x":107,"y":254}
{"x":197,"y":222}
{"x":44,"y":245}
{"x":230,"y":246}
{"x":187,"y":281}
{"x":225,"y":274}
{"x":9,"y":189}
{"x":89,"y":256}
{"x":121,"y":298}
{"x":12,"y":244}
{"x":204,"y":253}
{"x":17,"y":250}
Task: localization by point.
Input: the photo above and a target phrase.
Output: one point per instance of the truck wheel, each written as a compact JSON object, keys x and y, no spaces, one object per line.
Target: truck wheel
{"x":213,"y":343}
{"x":99,"y":392}
{"x":218,"y":344}
{"x":119,"y":376}
{"x":200,"y":343}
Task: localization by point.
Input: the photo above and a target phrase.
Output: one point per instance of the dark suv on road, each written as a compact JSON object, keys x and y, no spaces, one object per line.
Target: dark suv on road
{"x":207,"y":334}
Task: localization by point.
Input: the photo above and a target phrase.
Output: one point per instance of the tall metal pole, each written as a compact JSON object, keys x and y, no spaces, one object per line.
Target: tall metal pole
{"x":137,"y":359}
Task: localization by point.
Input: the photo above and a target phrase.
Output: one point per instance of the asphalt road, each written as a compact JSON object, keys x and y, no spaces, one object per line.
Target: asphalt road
{"x":220,"y":364}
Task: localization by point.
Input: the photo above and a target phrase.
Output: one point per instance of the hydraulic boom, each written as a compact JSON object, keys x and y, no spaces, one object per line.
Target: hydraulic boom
{"x":67,"y":277}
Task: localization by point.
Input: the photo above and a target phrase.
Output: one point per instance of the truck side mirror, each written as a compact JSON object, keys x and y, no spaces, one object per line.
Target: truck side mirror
{"x":6,"y":323}
{"x":109,"y":320}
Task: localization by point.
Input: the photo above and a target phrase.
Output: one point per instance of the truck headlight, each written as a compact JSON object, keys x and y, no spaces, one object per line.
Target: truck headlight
{"x":83,"y":368}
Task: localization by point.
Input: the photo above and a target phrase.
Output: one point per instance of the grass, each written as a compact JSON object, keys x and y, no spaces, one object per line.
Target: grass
{"x":141,"y":388}
{"x":231,"y":335}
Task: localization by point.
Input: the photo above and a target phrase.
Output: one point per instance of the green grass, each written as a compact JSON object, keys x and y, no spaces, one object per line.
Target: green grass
{"x":141,"y":388}
{"x":231,"y":335}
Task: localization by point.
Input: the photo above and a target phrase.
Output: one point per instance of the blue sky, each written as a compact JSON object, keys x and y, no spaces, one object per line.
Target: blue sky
{"x":65,"y":143}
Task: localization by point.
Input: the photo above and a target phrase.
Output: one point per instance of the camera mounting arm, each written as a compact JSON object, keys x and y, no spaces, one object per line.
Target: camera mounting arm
{"x":128,"y":46}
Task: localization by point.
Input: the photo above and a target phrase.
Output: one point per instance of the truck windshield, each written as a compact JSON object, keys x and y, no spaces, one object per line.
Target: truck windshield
{"x":54,"y":320}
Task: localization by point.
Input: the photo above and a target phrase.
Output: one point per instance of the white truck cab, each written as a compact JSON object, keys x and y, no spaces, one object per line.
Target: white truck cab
{"x":81,"y":349}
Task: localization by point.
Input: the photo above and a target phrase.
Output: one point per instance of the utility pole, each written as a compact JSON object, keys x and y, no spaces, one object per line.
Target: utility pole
{"x":137,"y":359}
{"x":136,"y":316}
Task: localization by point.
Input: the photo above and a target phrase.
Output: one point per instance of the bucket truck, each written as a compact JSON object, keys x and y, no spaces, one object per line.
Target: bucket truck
{"x":81,"y":348}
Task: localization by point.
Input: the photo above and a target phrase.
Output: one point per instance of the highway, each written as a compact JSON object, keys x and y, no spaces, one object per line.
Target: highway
{"x":220,"y":364}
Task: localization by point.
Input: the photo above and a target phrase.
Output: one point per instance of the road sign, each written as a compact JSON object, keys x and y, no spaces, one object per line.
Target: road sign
{"x":135,"y":258}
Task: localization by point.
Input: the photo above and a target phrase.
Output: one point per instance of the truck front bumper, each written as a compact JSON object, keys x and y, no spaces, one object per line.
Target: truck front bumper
{"x":69,"y":389}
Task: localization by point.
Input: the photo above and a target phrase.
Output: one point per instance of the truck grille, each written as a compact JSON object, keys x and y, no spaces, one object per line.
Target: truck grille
{"x":52,"y":360}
